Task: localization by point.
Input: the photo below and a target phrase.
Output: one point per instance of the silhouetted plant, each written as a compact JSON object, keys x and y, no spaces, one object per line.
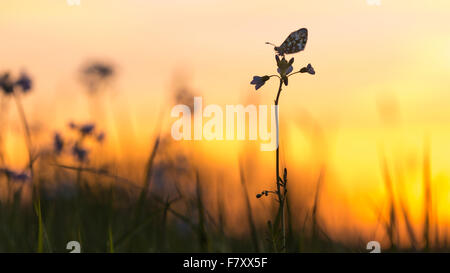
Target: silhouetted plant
{"x":17,"y":87}
{"x":78,"y":149}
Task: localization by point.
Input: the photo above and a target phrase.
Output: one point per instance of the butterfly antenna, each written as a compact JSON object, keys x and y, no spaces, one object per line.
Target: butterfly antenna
{"x":267,"y":43}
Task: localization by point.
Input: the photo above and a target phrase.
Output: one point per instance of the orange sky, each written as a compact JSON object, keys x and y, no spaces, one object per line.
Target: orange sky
{"x":382,"y":76}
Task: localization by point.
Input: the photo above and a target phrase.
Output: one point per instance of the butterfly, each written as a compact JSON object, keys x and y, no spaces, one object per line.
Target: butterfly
{"x":294,"y":43}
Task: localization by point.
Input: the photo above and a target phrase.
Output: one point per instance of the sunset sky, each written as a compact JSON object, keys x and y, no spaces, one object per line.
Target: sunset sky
{"x":381,"y":85}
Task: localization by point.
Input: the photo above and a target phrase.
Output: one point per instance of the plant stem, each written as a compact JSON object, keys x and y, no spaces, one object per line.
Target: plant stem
{"x":281,"y":196}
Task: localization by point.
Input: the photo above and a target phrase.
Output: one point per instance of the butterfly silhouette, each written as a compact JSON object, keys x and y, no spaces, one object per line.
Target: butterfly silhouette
{"x":294,"y":43}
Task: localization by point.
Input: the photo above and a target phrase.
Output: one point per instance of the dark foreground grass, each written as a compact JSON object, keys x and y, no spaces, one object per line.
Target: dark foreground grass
{"x":105,"y":213}
{"x":109,"y":218}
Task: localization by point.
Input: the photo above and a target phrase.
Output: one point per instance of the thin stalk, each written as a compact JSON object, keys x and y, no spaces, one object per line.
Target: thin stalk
{"x":281,"y":196}
{"x":251,"y":222}
{"x":36,"y":187}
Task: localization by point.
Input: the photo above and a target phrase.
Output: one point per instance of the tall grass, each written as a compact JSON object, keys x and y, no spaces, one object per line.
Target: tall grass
{"x":251,"y":222}
{"x":397,"y":211}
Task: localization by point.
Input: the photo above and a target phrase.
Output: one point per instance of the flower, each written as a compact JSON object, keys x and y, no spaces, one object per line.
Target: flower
{"x":308,"y":69}
{"x":259,"y":81}
{"x":288,"y":70}
{"x":284,"y":67}
{"x":72,"y":125}
{"x":58,"y":143}
{"x":24,"y":82}
{"x":6,"y":85}
{"x":97,"y":73}
{"x":15,"y":176}
{"x":20,"y":177}
{"x":101,"y":70}
{"x":87,"y":129}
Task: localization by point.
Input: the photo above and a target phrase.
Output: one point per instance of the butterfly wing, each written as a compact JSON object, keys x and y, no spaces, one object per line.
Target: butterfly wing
{"x":294,"y":43}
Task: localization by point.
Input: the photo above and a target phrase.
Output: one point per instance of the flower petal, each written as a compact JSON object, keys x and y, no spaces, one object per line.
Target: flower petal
{"x":291,"y":61}
{"x":311,"y":69}
{"x":255,"y":79}
{"x":289,"y":70}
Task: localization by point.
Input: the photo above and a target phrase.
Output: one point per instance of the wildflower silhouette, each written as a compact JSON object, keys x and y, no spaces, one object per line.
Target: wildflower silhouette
{"x":14,"y":176}
{"x":78,"y":150}
{"x":87,"y":129}
{"x":294,"y":43}
{"x":100,"y":137}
